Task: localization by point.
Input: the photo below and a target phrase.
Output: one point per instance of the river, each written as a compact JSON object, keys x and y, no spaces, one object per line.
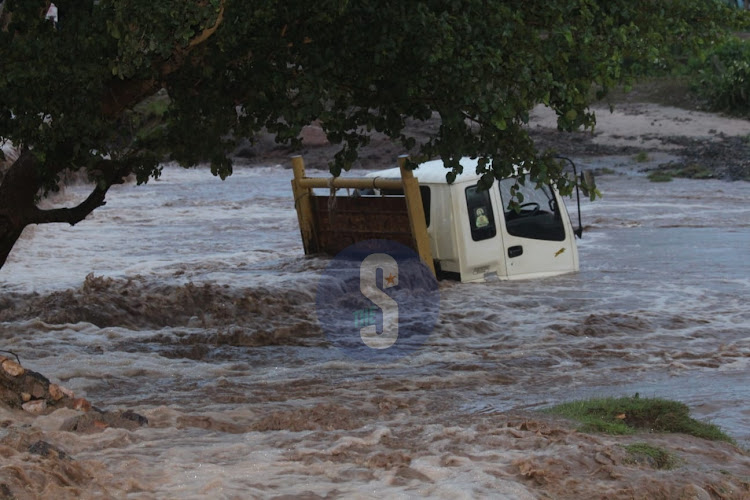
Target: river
{"x":189,"y":300}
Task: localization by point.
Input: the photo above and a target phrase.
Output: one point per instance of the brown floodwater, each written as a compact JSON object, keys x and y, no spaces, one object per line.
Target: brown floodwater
{"x":189,"y":301}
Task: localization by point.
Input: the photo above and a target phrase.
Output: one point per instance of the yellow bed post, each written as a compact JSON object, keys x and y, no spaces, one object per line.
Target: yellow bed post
{"x":303,"y":186}
{"x":303,"y":204}
{"x":416,"y":214}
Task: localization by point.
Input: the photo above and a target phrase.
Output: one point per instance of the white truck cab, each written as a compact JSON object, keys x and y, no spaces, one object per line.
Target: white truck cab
{"x":475,"y":235}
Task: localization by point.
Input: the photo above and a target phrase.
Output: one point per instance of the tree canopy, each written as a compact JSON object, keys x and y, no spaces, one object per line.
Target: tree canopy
{"x":234,"y":67}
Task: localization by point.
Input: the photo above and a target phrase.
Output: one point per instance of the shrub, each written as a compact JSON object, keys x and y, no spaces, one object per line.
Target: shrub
{"x":722,"y":77}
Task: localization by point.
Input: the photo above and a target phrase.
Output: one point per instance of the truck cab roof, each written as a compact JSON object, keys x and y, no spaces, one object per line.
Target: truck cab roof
{"x":434,"y":172}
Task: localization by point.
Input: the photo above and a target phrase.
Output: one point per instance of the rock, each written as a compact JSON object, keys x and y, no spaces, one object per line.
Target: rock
{"x":10,"y":398}
{"x":245,"y":150}
{"x":38,"y":390}
{"x":135,"y":417}
{"x":313,"y":135}
{"x":36,"y":395}
{"x":257,"y":147}
{"x":81,"y":404}
{"x":30,"y":382}
{"x":55,"y":392}
{"x":19,"y":385}
{"x":37,"y":407}
{"x":96,"y":421}
{"x":12,"y":368}
{"x":99,"y":425}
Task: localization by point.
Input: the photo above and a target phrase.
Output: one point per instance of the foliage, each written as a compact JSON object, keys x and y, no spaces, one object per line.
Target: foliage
{"x":721,"y":77}
{"x":233,"y":67}
{"x":629,"y":414}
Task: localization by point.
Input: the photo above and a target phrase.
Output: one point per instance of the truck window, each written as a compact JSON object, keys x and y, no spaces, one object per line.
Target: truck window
{"x":538,"y":217}
{"x":481,"y":220}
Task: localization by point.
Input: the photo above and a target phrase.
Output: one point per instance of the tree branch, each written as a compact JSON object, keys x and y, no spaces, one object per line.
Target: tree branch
{"x":206,"y":34}
{"x":123,"y":94}
{"x":110,"y":173}
{"x":72,"y":215}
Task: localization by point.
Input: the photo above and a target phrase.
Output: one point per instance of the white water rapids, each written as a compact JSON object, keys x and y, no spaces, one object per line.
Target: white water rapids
{"x":199,"y":314}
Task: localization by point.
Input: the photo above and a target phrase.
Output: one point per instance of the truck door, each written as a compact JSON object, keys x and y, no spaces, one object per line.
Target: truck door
{"x":537,"y":236}
{"x":479,"y":215}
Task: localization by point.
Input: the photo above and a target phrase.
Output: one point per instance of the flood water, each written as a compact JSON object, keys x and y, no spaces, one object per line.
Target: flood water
{"x":189,"y":301}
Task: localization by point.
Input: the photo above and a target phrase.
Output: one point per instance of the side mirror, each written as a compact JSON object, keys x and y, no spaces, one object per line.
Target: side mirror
{"x":588,"y":188}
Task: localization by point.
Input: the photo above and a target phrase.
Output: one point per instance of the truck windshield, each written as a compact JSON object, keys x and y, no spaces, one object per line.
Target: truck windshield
{"x":537,"y":217}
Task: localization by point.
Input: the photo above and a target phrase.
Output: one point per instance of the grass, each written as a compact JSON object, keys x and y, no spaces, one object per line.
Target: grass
{"x":659,"y":176}
{"x":147,"y":117}
{"x":689,"y":171}
{"x":641,"y":157}
{"x":632,"y":414}
{"x":655,"y":456}
{"x":695,"y":171}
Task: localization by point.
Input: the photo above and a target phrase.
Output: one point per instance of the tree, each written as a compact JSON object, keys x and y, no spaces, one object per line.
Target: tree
{"x":234,"y":67}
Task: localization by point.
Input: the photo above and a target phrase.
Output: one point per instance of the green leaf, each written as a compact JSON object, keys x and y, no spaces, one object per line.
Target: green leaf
{"x":568,"y":36}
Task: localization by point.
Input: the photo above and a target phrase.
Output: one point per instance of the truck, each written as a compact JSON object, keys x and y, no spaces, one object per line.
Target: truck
{"x":459,"y":230}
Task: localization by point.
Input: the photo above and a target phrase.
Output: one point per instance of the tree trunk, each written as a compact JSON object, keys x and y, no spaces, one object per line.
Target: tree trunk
{"x":8,"y":237}
{"x":23,"y":180}
{"x":18,"y":192}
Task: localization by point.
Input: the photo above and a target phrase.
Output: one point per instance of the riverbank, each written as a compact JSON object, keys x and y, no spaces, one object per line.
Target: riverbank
{"x":657,"y":116}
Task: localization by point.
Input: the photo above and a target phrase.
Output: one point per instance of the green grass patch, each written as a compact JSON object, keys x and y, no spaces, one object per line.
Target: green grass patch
{"x":694,"y":171}
{"x":653,"y":456}
{"x":689,"y":171}
{"x":632,"y":414}
{"x":641,"y":157}
{"x":605,"y":171}
{"x":147,"y":118}
{"x":659,"y":176}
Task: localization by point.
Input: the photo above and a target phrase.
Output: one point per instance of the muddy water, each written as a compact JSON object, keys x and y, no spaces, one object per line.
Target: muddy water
{"x":189,"y":301}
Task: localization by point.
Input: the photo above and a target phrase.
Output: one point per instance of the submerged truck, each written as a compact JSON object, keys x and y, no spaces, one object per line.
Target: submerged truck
{"x":459,"y":231}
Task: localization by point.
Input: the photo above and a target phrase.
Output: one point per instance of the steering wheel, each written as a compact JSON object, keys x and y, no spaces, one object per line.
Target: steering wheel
{"x":529,"y":213}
